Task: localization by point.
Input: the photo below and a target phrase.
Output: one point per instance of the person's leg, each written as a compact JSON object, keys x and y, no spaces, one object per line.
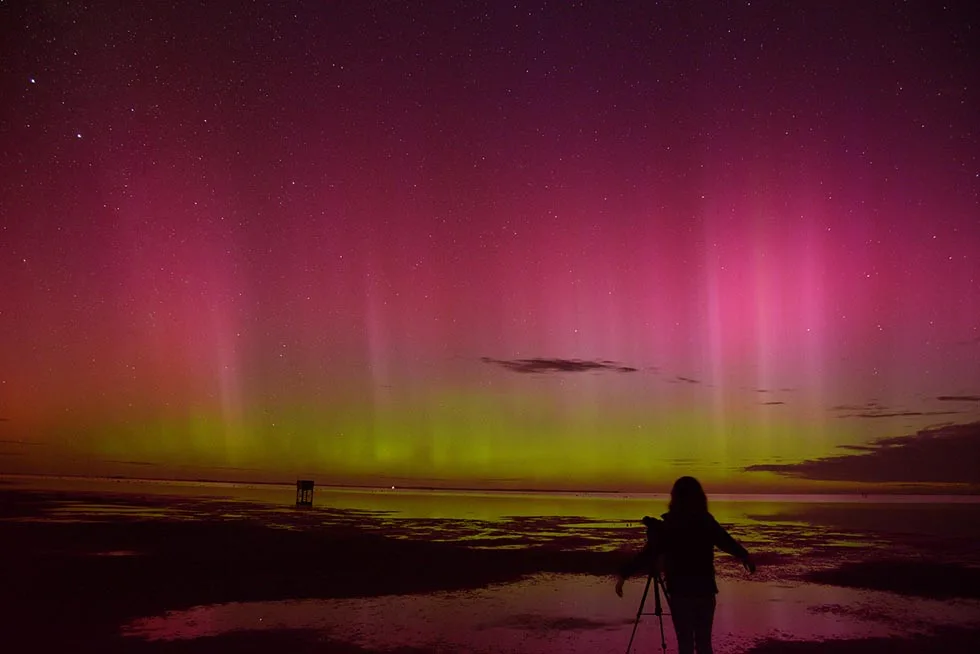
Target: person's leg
{"x":702,"y":617}
{"x":682,"y":615}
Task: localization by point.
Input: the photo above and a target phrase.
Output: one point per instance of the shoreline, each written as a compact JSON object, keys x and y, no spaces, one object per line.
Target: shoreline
{"x":72,"y":580}
{"x":966,"y":495}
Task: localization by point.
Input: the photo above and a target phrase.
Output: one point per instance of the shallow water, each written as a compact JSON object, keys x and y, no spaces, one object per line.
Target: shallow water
{"x":569,"y":613}
{"x":888,"y":512}
{"x":792,"y":537}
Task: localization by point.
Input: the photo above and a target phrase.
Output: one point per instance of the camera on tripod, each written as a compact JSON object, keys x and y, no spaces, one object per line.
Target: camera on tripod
{"x":653,"y":525}
{"x":654,"y":534}
{"x":655,"y":528}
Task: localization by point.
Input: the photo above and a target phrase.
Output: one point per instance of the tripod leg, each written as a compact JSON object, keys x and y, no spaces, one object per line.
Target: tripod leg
{"x":660,"y":612}
{"x":639,"y":612}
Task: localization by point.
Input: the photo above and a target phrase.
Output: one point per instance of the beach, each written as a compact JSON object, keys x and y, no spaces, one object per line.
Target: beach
{"x":152,"y":567}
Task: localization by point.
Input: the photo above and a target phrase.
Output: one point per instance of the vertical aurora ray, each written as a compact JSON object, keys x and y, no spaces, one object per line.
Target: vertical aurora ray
{"x":337,"y":256}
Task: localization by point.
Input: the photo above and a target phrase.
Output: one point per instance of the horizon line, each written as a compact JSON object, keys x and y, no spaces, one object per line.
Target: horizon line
{"x":969,"y":492}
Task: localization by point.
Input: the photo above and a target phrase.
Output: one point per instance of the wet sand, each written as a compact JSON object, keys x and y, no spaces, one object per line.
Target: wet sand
{"x":78,"y":569}
{"x":70,"y":584}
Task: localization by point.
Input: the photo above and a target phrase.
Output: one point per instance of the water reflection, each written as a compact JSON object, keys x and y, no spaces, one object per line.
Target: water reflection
{"x":569,"y":613}
{"x":853,"y":543}
{"x":806,"y":509}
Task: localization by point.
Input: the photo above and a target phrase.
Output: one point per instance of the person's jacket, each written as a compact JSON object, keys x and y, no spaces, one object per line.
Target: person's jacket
{"x":686,"y":541}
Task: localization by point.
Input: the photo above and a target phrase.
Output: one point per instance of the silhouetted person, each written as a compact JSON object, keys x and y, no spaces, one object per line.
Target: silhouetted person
{"x":682,"y":546}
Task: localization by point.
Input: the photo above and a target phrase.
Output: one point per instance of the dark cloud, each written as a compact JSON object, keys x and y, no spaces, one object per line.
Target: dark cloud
{"x":949,"y":454}
{"x":557,"y":365}
{"x":772,"y":403}
{"x":959,"y":398}
{"x":868,"y":406}
{"x":899,"y":414}
{"x":937,"y":425}
{"x":686,"y":380}
{"x":876,"y":410}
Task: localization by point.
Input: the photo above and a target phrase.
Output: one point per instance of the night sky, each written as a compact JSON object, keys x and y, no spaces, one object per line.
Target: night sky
{"x":567,"y":245}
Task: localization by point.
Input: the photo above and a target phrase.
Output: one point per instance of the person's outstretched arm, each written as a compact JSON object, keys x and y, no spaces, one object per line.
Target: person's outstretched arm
{"x":725,"y":542}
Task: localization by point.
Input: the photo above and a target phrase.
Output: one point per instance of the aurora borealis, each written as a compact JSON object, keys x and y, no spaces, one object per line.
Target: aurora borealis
{"x":549,"y":245}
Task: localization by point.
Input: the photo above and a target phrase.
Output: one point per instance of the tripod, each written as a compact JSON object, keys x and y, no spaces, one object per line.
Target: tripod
{"x":657,"y":609}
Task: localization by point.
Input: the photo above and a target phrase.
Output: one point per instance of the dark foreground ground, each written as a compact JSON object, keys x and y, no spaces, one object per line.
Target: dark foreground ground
{"x":67,"y":586}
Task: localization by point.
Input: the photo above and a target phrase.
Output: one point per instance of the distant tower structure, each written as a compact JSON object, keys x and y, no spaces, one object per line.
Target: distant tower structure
{"x":304,"y":492}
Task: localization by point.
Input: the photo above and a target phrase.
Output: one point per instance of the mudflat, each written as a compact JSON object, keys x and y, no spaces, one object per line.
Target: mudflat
{"x":77,"y":568}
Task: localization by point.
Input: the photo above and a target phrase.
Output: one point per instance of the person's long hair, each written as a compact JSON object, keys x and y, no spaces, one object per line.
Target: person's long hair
{"x":688,"y":497}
